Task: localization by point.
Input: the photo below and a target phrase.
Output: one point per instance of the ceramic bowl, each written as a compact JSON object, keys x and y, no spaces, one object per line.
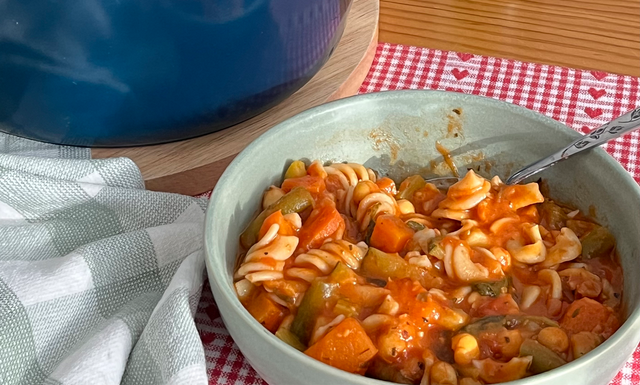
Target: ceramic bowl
{"x":395,"y":133}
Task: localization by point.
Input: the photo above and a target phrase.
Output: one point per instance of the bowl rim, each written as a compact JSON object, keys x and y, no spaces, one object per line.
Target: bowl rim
{"x":631,"y":322}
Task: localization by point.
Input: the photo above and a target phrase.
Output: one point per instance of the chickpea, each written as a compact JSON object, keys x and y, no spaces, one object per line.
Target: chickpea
{"x":362,"y":189}
{"x":428,"y":358}
{"x":584,"y":342}
{"x":389,"y":306}
{"x":465,"y":348}
{"x":271,"y":196}
{"x":470,"y":371}
{"x":406,"y":207}
{"x":392,"y":343}
{"x":554,"y":338}
{"x":510,"y":341}
{"x":443,"y":373}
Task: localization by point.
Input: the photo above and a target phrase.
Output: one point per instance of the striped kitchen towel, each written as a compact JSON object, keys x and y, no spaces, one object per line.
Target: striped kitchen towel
{"x":99,"y":278}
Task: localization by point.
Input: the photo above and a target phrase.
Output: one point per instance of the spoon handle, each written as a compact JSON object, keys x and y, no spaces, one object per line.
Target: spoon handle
{"x":597,"y":137}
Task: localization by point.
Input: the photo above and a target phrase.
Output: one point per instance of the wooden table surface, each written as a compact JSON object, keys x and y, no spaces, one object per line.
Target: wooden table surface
{"x":589,"y":34}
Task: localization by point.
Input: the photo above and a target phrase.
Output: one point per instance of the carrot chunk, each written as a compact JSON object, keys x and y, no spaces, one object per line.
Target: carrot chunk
{"x":390,"y":234}
{"x":587,"y":315}
{"x":267,"y":312}
{"x":345,"y":347}
{"x":324,"y":221}
{"x":276,"y":218}
{"x":313,"y":184}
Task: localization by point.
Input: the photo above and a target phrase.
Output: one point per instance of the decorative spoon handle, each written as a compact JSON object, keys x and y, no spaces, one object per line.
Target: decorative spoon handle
{"x":615,"y":128}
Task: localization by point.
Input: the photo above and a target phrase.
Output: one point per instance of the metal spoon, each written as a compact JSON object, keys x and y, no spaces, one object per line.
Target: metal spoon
{"x":597,"y":137}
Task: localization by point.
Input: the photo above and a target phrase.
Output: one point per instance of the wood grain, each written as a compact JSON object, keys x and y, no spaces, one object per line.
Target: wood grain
{"x":193,"y":166}
{"x":588,"y":34}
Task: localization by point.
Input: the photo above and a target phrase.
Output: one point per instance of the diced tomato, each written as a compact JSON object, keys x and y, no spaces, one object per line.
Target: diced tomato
{"x":492,"y":208}
{"x":387,"y":185}
{"x":501,"y":305}
{"x":427,"y":199}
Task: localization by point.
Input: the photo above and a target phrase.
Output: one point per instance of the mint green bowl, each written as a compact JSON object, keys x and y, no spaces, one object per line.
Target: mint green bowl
{"x":395,"y":133}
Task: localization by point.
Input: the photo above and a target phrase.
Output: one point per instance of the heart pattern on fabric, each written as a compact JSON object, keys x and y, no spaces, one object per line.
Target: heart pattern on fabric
{"x":596,"y":94}
{"x":459,"y":75}
{"x":593,"y":112}
{"x":599,"y":74}
{"x":453,"y":89}
{"x":465,"y":56}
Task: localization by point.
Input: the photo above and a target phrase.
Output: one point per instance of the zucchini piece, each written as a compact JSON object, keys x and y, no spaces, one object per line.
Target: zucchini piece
{"x":380,"y":265}
{"x":436,"y":249}
{"x":343,"y":274}
{"x":347,"y":308}
{"x":295,"y":201}
{"x":311,"y":307}
{"x":409,"y":186}
{"x":296,"y":169}
{"x":290,"y":339}
{"x":415,"y":226}
{"x":553,"y":215}
{"x":597,"y":243}
{"x":492,"y":289}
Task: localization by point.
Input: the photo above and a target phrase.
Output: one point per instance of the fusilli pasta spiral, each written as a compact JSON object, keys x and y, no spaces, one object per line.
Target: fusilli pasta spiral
{"x":321,"y":261}
{"x":265,"y":260}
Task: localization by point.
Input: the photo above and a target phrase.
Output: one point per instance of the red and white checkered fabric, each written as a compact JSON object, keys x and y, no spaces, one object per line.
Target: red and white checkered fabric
{"x":580,"y":99}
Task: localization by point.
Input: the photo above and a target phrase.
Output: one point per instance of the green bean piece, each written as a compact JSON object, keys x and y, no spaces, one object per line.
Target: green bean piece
{"x":544,"y":359}
{"x":413,"y":184}
{"x":484,"y":324}
{"x":537,"y":319}
{"x":290,"y":339}
{"x":597,"y":243}
{"x":380,"y":369}
{"x":509,"y":321}
{"x":297,"y":200}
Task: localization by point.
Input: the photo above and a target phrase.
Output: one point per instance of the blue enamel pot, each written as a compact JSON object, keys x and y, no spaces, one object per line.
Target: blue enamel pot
{"x":107,"y":73}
